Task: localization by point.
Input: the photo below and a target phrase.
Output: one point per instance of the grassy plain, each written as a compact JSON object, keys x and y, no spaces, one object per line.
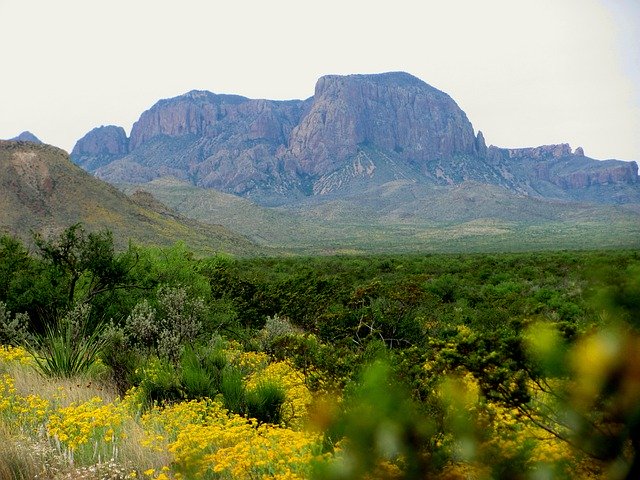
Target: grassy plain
{"x":467,"y":219}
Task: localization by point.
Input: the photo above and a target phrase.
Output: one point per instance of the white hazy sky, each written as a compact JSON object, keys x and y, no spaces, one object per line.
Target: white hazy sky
{"x":526,"y":72}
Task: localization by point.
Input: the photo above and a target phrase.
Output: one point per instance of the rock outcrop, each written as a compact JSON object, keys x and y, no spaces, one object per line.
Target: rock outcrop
{"x":109,"y":140}
{"x":567,"y":169}
{"x":227,"y":142}
{"x":392,"y":112}
{"x":541,"y":152}
{"x":205,"y":114}
{"x":608,"y":173}
{"x":481,"y":145}
{"x":100,"y":146}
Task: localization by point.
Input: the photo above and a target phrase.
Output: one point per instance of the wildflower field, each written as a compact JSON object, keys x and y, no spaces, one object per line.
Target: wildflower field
{"x":75,"y":431}
{"x":153,"y":364}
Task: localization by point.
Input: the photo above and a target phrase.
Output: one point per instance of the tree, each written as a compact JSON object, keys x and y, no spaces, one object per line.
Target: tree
{"x":14,"y":261}
{"x":84,"y":265}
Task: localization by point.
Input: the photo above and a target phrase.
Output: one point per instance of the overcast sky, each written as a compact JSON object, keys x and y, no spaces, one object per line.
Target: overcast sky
{"x":526,"y":72}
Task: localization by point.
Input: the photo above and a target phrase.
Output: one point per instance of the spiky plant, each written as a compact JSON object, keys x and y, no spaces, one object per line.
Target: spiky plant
{"x":68,"y":348}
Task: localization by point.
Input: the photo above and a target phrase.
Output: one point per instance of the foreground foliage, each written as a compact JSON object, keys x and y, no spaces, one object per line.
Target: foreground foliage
{"x":204,"y":439}
{"x":451,"y":366}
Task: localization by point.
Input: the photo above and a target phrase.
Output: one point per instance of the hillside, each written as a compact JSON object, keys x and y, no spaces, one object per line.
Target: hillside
{"x":469,"y":217}
{"x":41,"y":190}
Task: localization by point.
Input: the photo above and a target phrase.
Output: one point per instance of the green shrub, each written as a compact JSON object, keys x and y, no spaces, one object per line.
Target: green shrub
{"x":160,"y":382}
{"x":214,"y":361}
{"x":274,"y":329}
{"x":194,"y":377}
{"x":141,"y":327}
{"x":264,"y":403}
{"x":445,"y":287}
{"x":233,"y":390}
{"x":165,"y":330}
{"x":121,"y":360}
{"x":14,"y":329}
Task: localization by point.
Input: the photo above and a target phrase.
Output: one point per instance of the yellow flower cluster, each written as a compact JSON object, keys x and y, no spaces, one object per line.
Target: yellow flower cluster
{"x":206,"y":441}
{"x":202,"y":437}
{"x":7,"y":393}
{"x":501,"y":433}
{"x":230,"y":446}
{"x":93,"y":426}
{"x":31,"y":411}
{"x":251,"y":361}
{"x":266,"y":451}
{"x":9,"y":354}
{"x":162,"y":424}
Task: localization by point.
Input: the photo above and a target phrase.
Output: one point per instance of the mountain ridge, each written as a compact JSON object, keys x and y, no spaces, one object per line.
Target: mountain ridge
{"x":373,"y":162}
{"x":355,"y":133}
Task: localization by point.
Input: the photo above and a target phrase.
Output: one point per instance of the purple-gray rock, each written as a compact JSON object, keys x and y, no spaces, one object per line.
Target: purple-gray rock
{"x":392,"y":112}
{"x":26,"y":136}
{"x":100,"y":146}
{"x":109,"y":140}
{"x":356,"y":133}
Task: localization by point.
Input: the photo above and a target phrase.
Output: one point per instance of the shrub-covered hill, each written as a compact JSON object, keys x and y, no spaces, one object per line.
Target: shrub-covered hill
{"x":403,"y":217}
{"x":41,"y":190}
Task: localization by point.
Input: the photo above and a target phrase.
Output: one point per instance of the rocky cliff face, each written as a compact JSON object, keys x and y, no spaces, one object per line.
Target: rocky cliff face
{"x":205,"y":114}
{"x":544,"y":151}
{"x":357,"y":132}
{"x":193,"y":113}
{"x":392,"y":112}
{"x":226,"y":142}
{"x":609,"y":173}
{"x":109,"y":140}
{"x":100,"y":146}
{"x":567,"y":169}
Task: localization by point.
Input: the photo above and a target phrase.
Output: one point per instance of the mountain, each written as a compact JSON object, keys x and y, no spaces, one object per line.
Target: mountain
{"x":226,"y":142}
{"x":42,"y":190}
{"x":391,"y":113}
{"x":100,"y":146}
{"x":356,"y":134}
{"x":26,"y":136}
{"x":380,"y":162}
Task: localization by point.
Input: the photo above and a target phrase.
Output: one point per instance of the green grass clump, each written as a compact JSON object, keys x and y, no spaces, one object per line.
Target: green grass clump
{"x":264,"y":403}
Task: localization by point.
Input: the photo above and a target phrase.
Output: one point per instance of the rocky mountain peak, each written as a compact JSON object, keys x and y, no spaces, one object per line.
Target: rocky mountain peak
{"x":481,"y":145}
{"x":104,"y":140}
{"x":26,"y":136}
{"x":196,"y":112}
{"x":393,"y":112}
{"x":390,"y":79}
{"x":100,"y":146}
